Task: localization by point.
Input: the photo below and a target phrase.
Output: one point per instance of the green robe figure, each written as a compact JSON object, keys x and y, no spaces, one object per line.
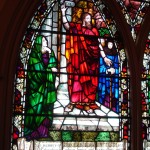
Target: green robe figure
{"x":41,"y":90}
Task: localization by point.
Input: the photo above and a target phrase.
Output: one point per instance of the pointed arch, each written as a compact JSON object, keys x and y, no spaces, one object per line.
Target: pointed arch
{"x":29,"y":41}
{"x":9,"y":51}
{"x":10,"y":43}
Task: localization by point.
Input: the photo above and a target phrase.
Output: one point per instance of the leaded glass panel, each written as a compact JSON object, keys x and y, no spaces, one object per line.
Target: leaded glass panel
{"x":145,"y":94}
{"x":134,"y":12}
{"x":72,"y":80}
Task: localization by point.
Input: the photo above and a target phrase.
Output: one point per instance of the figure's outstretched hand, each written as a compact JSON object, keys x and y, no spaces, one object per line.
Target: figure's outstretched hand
{"x":64,"y":18}
{"x":111,"y":71}
{"x":107,"y":61}
{"x":46,"y":49}
{"x":63,"y":8}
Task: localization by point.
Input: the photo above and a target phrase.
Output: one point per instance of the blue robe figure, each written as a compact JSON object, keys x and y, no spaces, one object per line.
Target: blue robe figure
{"x":108,"y":92}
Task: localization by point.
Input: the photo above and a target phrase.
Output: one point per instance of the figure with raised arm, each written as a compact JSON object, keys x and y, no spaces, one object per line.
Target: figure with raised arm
{"x":82,"y":54}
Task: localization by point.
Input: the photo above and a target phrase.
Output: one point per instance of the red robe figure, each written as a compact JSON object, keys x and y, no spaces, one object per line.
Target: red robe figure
{"x":82,"y":54}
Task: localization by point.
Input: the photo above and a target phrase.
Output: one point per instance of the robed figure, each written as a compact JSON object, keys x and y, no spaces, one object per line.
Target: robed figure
{"x":41,"y":91}
{"x":108,"y":93}
{"x":82,"y":54}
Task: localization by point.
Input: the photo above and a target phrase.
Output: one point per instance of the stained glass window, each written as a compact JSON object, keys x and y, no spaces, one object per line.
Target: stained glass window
{"x":145,"y":94}
{"x":72,"y":80}
{"x":134,"y":12}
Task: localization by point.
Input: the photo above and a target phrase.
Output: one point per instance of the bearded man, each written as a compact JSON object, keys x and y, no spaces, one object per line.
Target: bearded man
{"x":82,"y":54}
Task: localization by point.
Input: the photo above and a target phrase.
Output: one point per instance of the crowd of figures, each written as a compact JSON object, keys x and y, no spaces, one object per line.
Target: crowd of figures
{"x":92,"y":68}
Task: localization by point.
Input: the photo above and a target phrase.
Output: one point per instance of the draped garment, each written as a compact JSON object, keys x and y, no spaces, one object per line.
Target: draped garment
{"x":109,"y":84}
{"x":41,"y":93}
{"x":82,"y":53}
